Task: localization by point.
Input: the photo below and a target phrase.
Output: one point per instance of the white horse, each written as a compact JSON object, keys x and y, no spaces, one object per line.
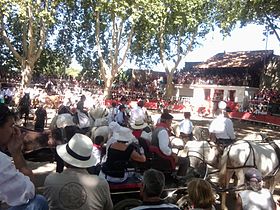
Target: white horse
{"x":96,"y":120}
{"x":241,"y":155}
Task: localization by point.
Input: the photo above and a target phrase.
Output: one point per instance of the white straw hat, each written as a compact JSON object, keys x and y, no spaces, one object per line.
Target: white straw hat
{"x":123,"y":134}
{"x":139,"y":124}
{"x":77,"y":152}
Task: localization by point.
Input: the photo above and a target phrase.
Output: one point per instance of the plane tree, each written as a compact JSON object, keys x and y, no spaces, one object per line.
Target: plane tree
{"x":173,"y":29}
{"x":262,"y":12}
{"x":105,"y":33}
{"x":24,"y":27}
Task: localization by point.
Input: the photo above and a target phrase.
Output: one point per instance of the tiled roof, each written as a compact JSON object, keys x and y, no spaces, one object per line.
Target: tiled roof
{"x":242,"y":59}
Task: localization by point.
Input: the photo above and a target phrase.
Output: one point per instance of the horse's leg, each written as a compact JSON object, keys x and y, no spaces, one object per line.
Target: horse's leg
{"x":239,"y":180}
{"x":225,"y":185}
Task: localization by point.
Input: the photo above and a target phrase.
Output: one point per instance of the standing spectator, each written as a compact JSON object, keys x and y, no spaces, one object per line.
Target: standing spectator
{"x":113,"y":112}
{"x":153,"y":185}
{"x":16,"y":187}
{"x":24,"y":107}
{"x":221,"y":128}
{"x":186,"y":127}
{"x":41,"y":118}
{"x":255,"y":197}
{"x":201,"y":195}
{"x":75,"y":188}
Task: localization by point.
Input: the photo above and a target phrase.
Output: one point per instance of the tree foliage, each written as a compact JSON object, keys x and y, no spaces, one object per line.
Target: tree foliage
{"x":262,"y":12}
{"x":24,"y":26}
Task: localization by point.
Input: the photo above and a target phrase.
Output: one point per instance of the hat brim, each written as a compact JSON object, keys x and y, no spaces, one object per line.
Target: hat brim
{"x":138,"y":127}
{"x":119,"y":137}
{"x":62,"y":152}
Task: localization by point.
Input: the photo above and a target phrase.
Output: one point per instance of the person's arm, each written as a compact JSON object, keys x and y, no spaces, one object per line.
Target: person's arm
{"x":16,"y":189}
{"x":164,"y":142}
{"x":14,"y":147}
{"x":230,"y":130}
{"x":138,"y":157}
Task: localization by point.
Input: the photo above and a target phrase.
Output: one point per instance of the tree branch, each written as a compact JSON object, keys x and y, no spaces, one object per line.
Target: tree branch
{"x":128,"y":46}
{"x":8,"y":42}
{"x":272,"y":27}
{"x":99,"y":51}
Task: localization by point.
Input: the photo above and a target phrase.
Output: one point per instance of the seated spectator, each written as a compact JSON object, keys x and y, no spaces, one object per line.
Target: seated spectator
{"x":122,"y":117}
{"x":75,"y":188}
{"x":16,"y":179}
{"x":98,"y":152}
{"x":254,"y":196}
{"x":141,"y":129}
{"x":151,"y":190}
{"x":118,"y":155}
{"x":143,"y":133}
{"x":201,"y":195}
{"x":160,"y":139}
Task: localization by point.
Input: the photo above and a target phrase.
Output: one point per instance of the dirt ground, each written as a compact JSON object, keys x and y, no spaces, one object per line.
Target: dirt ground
{"x":41,"y":170}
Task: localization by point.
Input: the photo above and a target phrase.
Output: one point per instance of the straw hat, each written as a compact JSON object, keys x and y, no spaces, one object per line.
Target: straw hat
{"x":123,"y":134}
{"x":77,"y":152}
{"x":139,"y":124}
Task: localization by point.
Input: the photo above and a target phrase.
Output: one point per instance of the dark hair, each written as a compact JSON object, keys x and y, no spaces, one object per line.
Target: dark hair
{"x":154,"y":182}
{"x":5,"y":114}
{"x":98,"y":140}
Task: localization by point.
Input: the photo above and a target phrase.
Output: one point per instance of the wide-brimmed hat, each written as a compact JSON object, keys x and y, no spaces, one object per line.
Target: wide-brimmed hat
{"x":77,"y":152}
{"x":123,"y":134}
{"x":139,"y":124}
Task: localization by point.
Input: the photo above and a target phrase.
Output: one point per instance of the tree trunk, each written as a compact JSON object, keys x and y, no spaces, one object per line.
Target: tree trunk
{"x":169,"y":86}
{"x":107,"y":86}
{"x":26,"y":73}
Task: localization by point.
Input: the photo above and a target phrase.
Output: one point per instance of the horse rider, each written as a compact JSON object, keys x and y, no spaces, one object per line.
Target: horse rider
{"x":160,"y":139}
{"x":221,"y":128}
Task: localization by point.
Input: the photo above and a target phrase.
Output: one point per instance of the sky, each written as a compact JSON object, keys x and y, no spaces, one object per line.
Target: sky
{"x":248,"y":38}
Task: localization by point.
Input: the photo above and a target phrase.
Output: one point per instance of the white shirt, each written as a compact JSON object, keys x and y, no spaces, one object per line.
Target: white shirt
{"x":186,"y":126}
{"x":163,"y":138}
{"x":222,"y":127}
{"x":136,"y":113}
{"x":15,"y":188}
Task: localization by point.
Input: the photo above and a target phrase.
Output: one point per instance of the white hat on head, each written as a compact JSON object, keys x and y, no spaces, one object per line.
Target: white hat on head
{"x":77,"y":152}
{"x":123,"y":134}
{"x":222,"y":105}
{"x":139,"y":124}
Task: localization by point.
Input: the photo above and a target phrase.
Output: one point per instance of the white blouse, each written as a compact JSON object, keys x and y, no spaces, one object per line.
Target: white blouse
{"x":15,"y":188}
